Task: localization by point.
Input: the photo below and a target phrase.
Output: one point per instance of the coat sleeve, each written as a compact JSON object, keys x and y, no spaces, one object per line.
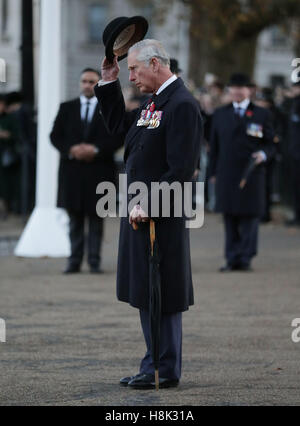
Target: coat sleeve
{"x":213,"y":148}
{"x":108,"y":147}
{"x":108,"y":144}
{"x":57,"y":136}
{"x":112,"y":107}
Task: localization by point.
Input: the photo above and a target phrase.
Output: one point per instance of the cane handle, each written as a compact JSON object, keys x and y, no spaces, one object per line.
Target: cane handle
{"x":152,"y":234}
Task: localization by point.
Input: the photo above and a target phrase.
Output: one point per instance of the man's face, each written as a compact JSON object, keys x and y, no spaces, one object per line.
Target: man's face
{"x":141,"y":75}
{"x":88,"y":81}
{"x":239,"y":94}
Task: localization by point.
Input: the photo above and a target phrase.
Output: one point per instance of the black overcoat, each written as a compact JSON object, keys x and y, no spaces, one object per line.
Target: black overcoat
{"x":294,"y":130}
{"x":230,"y":151}
{"x":78,"y":180}
{"x":169,"y":153}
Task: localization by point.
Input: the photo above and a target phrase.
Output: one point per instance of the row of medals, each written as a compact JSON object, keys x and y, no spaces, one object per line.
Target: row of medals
{"x":149,"y":117}
{"x":255,"y":130}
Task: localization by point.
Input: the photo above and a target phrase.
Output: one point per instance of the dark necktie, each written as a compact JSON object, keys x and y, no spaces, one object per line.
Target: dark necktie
{"x":86,"y":121}
{"x":239,"y":112}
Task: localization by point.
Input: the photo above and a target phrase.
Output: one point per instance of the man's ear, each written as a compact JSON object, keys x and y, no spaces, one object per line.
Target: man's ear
{"x":155,"y":64}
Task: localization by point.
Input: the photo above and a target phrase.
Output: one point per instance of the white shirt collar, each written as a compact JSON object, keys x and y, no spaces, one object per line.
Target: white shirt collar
{"x":166,"y":84}
{"x":84,"y":100}
{"x":243,"y":105}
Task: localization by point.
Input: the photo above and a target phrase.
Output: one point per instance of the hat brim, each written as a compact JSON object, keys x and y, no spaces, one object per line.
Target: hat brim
{"x":139,"y":27}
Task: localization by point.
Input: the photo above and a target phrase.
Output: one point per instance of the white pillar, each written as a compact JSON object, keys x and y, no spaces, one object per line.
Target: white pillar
{"x":46,"y":234}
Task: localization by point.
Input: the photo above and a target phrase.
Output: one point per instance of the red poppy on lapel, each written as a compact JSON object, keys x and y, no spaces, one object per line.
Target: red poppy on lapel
{"x":249,"y":113}
{"x":152,"y":108}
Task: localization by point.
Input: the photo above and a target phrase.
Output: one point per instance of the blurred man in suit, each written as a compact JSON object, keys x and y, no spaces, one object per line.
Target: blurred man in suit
{"x":87,"y":159}
{"x":240,"y":131}
{"x":294,"y":152}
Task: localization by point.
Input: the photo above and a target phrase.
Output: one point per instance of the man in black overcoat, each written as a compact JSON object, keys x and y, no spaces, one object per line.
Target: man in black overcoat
{"x":86,"y":159}
{"x":167,"y":151}
{"x":294,"y":152}
{"x":240,"y":131}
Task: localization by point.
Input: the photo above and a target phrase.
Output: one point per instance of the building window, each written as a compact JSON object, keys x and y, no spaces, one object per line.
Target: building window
{"x":97,"y":21}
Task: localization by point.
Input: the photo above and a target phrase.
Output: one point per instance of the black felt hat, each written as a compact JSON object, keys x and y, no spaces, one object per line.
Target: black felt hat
{"x":122,"y":33}
{"x":240,"y":80}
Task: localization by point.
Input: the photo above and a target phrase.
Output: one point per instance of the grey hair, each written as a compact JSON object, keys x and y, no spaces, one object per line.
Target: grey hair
{"x":149,"y":49}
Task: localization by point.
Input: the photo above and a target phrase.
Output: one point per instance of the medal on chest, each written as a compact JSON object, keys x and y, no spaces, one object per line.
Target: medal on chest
{"x":150,"y":118}
{"x":255,"y":130}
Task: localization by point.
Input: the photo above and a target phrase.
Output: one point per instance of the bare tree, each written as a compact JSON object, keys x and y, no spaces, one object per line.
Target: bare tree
{"x":224,"y":33}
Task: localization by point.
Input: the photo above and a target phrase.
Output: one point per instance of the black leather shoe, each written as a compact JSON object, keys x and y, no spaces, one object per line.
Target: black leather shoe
{"x":228,"y":268}
{"x":72,"y":269}
{"x":147,"y":381}
{"x":96,"y":270}
{"x":124,"y":382}
{"x":245,"y":268}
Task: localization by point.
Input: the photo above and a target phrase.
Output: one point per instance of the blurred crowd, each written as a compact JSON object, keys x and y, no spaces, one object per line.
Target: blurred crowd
{"x":279,"y":101}
{"x":17,"y":156}
{"x":18,"y":142}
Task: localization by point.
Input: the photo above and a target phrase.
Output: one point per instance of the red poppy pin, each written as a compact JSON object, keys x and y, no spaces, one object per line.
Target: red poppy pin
{"x":152,"y":107}
{"x":249,"y":113}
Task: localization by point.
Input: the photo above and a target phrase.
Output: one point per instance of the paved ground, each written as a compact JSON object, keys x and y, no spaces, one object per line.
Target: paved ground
{"x":69,"y":340}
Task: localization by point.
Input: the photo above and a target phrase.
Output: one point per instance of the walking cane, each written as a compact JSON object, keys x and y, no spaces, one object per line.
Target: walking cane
{"x":154,"y":299}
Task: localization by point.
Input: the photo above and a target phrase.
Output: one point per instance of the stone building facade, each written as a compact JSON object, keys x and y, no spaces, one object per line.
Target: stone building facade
{"x":83,"y":22}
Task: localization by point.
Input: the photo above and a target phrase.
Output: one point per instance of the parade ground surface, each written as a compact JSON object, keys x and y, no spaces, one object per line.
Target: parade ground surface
{"x":69,"y":340}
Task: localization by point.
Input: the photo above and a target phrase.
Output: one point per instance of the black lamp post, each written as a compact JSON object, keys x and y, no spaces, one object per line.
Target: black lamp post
{"x":27,"y":52}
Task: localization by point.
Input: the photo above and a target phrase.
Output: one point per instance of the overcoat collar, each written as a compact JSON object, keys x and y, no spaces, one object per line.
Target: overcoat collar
{"x":164,"y":96}
{"x":233,"y":121}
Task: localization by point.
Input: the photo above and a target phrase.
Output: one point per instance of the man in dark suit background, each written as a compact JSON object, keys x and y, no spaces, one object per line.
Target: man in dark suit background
{"x":87,"y":159}
{"x":240,"y":130}
{"x":294,"y":152}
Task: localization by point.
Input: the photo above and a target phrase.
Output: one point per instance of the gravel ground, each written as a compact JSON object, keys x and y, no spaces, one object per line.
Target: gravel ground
{"x":69,"y":340}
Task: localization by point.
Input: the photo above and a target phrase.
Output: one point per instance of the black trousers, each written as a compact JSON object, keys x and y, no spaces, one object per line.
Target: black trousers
{"x":170,"y":346}
{"x":241,"y":239}
{"x":94,"y":240}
